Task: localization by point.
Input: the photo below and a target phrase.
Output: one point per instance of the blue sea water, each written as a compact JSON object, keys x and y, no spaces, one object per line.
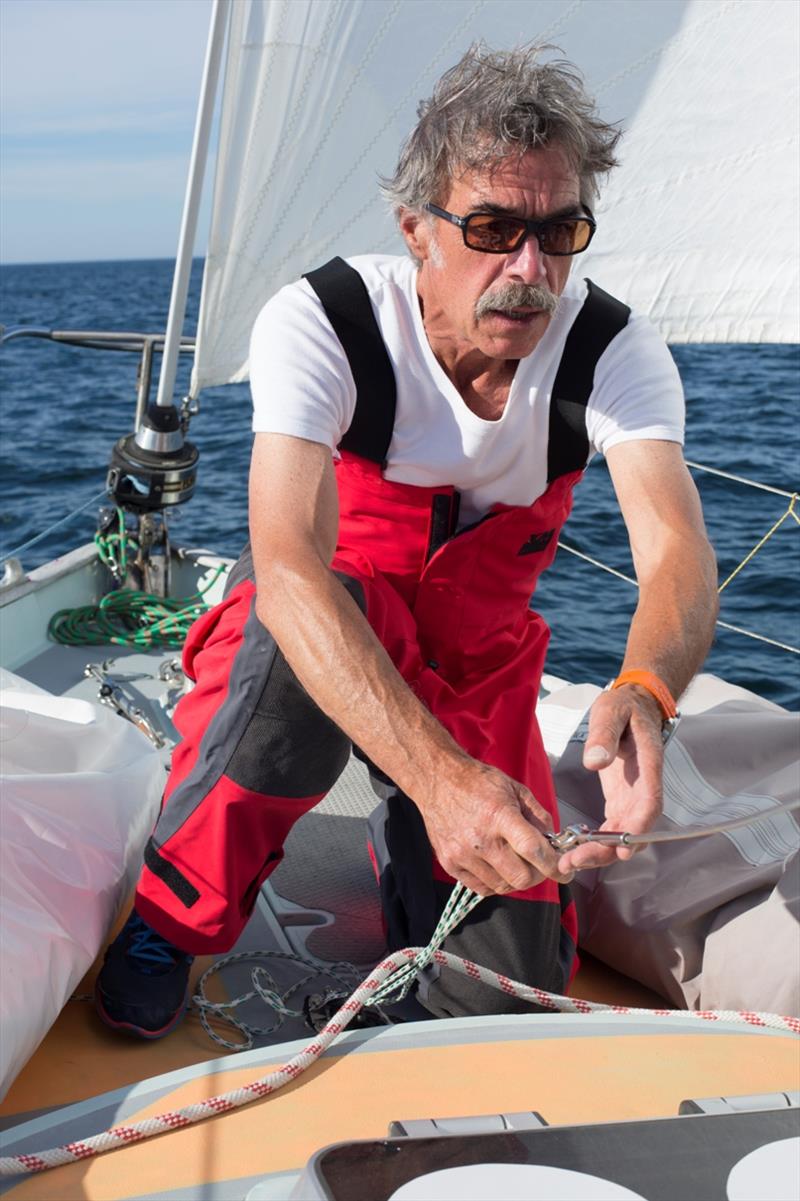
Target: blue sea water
{"x":63,"y":408}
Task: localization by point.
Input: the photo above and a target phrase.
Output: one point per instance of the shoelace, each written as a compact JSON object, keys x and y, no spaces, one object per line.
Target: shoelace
{"x":153,"y":954}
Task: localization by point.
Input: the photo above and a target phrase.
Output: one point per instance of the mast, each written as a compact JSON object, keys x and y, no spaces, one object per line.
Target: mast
{"x":191,"y":205}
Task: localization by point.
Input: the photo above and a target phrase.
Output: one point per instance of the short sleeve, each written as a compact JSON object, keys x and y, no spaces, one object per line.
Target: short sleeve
{"x":638,"y":391}
{"x":300,"y":379}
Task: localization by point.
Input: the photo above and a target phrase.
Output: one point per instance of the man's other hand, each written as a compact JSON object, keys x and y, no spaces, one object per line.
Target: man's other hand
{"x":625,"y":746}
{"x":488,"y":831}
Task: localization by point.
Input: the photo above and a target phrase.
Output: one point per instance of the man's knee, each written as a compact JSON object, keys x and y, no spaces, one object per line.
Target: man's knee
{"x":524,"y":941}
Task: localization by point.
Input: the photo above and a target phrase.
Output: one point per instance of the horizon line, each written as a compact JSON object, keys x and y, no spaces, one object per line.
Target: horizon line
{"x":147,"y":258}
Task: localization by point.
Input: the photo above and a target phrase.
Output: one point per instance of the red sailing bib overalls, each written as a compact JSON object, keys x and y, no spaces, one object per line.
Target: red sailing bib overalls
{"x":452,"y":608}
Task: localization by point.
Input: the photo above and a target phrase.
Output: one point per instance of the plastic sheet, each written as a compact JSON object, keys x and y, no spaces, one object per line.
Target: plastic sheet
{"x":80,"y":792}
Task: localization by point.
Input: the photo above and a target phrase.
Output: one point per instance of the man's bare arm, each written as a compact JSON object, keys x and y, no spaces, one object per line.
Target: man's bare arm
{"x":484,"y":827}
{"x":670,"y":633}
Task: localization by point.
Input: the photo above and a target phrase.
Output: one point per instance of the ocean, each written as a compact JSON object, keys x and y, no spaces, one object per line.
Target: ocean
{"x":63,"y":408}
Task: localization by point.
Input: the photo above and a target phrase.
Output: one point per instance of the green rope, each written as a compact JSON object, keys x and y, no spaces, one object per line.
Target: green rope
{"x":462,"y":900}
{"x":127,"y":617}
{"x":130,"y":618}
{"x":112,"y":549}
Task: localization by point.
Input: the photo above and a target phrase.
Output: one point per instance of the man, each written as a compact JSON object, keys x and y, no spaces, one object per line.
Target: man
{"x":474,"y":376}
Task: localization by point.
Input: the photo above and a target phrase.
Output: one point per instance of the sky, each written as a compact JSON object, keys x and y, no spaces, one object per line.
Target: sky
{"x":97,"y":110}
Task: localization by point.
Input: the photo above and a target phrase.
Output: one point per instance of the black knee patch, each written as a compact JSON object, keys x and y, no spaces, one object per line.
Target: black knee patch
{"x":519,"y":939}
{"x":290,"y":748}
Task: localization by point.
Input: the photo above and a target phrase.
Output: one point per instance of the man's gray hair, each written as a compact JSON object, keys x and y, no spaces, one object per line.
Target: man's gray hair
{"x":493,"y":104}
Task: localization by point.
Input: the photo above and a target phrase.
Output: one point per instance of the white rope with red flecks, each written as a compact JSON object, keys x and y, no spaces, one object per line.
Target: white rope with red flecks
{"x":125,"y":1135}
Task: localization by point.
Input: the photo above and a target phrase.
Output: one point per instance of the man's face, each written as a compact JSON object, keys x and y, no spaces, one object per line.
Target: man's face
{"x":454,"y":278}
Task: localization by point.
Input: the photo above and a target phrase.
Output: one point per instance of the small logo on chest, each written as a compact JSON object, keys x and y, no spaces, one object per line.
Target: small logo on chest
{"x":536,"y":542}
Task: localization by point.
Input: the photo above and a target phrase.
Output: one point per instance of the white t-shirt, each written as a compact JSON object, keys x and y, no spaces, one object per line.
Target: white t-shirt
{"x":302,"y":385}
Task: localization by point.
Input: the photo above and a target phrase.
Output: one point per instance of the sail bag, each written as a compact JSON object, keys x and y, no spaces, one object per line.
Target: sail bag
{"x":713,"y":922}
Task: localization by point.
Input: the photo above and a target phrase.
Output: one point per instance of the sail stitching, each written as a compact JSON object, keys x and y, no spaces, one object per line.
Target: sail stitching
{"x":750,"y":155}
{"x":290,"y":124}
{"x":330,"y":196}
{"x":681,"y":35}
{"x":559,"y":25}
{"x":377,"y":38}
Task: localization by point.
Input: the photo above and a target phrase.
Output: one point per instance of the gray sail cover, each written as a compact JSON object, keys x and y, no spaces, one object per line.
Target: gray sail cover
{"x":709,"y":923}
{"x":698,"y":227}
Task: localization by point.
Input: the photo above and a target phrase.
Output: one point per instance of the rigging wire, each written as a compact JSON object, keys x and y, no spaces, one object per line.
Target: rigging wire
{"x":725,"y":625}
{"x":12,"y":554}
{"x":793,"y":497}
{"x":740,"y":479}
{"x":789,"y":513}
{"x":168,"y":620}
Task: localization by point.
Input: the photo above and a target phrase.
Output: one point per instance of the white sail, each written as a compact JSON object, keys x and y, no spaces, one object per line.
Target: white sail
{"x":697,"y":227}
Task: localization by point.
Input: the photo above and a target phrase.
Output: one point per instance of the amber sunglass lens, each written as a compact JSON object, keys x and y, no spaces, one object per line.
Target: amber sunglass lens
{"x":565,"y":237}
{"x":486,"y":232}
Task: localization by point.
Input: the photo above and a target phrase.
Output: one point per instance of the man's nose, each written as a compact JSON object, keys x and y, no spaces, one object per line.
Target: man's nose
{"x":527,"y":263}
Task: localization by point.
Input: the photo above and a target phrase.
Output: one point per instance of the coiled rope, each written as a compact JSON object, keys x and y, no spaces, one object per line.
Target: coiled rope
{"x":130,"y":618}
{"x":263,"y":985}
{"x":386,"y":977}
{"x":127,"y":616}
{"x":460,"y":902}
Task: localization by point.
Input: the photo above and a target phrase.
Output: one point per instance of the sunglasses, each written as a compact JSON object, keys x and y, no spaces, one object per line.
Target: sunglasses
{"x":493,"y":233}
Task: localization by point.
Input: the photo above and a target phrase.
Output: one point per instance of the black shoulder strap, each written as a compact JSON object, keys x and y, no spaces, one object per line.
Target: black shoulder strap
{"x":600,"y":320}
{"x":347,"y":305}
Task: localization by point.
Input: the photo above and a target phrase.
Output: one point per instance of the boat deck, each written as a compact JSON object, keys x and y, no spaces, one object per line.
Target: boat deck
{"x":321,"y":905}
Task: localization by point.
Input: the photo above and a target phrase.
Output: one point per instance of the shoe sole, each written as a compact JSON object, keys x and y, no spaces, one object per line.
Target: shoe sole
{"x":134,"y":1030}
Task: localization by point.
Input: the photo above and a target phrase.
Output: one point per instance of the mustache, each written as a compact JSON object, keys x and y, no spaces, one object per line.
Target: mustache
{"x":517,"y":296}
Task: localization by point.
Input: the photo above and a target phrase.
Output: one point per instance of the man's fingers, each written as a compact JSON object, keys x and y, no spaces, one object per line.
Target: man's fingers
{"x":494,"y":839}
{"x":533,"y":810}
{"x":607,"y":722}
{"x":517,"y":874}
{"x":594,"y":855}
{"x":585,"y":857}
{"x":529,"y":845}
{"x":476,"y":884}
{"x":471,"y":868}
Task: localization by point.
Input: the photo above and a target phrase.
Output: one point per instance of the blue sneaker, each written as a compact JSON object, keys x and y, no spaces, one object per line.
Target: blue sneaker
{"x":144,"y":982}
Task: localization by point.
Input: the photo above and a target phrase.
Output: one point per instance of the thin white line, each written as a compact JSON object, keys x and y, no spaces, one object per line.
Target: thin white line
{"x":724,"y":624}
{"x":740,"y":479}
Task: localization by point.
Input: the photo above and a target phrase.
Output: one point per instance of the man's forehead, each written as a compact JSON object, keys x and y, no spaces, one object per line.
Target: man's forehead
{"x":539,"y":175}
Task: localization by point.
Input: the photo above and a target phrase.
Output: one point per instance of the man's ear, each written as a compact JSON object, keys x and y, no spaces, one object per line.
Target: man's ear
{"x":416,"y":230}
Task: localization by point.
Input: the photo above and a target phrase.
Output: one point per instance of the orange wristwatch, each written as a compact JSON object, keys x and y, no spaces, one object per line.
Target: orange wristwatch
{"x":656,"y":687}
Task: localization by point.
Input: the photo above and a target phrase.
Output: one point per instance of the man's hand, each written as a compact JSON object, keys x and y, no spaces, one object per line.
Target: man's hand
{"x":625,"y":746}
{"x":670,"y":635}
{"x":487,"y":831}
